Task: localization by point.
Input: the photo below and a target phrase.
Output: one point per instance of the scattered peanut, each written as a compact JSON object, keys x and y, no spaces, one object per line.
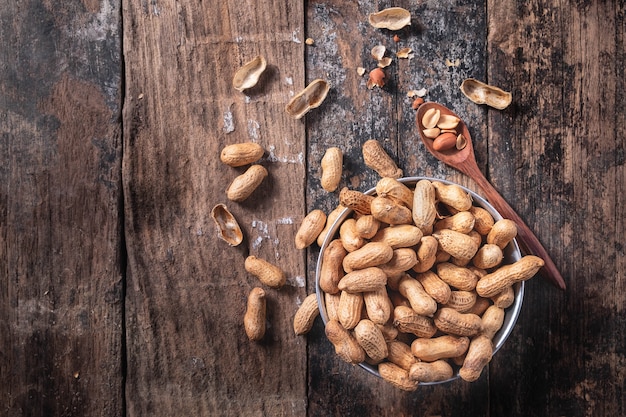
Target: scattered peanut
{"x":245,"y":184}
{"x":376,"y":158}
{"x":267,"y":273}
{"x":254,"y":319}
{"x":240,"y":154}
{"x":332,"y":166}
{"x":310,"y":228}
{"x":305,"y":315}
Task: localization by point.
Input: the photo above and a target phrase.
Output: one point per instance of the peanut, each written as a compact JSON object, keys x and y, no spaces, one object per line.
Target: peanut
{"x":462,"y":222}
{"x":453,"y":322}
{"x":431,"y":372}
{"x":267,"y":273}
{"x":434,"y":286}
{"x":502,"y":232}
{"x":457,"y":276}
{"x":459,"y":245}
{"x":408,"y":321}
{"x":371,"y":254}
{"x":388,"y":211}
{"x":426,"y":254}
{"x":349,"y":236}
{"x":331,"y":301}
{"x":349,"y":309}
{"x":507,"y":275}
{"x":431,"y":118}
{"x":362,"y":280}
{"x":376,"y":158}
{"x":505,"y":298}
{"x":305,"y":315}
{"x":424,"y":210}
{"x":422,"y":303}
{"x":488,"y":256}
{"x":483,"y":220}
{"x":331,"y":270}
{"x":462,"y":301}
{"x":244,"y":185}
{"x":377,"y":305}
{"x":444,"y":142}
{"x":441,"y":347}
{"x":400,"y":353}
{"x":480,"y":306}
{"x":310,"y":228}
{"x":493,"y":318}
{"x":397,"y":376}
{"x":448,"y":121}
{"x":254,"y":318}
{"x":371,"y":339}
{"x":332,"y":165}
{"x":452,"y":195}
{"x":399,"y":236}
{"x":478,"y":355}
{"x":359,"y":202}
{"x":240,"y":154}
{"x":346,"y":346}
{"x":402,"y":260}
{"x":367,"y":226}
{"x":393,"y":189}
{"x":330,"y":219}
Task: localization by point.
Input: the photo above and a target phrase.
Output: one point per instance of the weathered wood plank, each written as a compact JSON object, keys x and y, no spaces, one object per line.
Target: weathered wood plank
{"x":557,"y":155}
{"x":61,"y":289}
{"x":187,"y":350}
{"x":354,"y":114}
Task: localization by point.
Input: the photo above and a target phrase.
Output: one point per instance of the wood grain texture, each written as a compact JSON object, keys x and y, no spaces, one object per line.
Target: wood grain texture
{"x":61,"y":289}
{"x":116,"y":295}
{"x":558,"y":154}
{"x":188,"y":353}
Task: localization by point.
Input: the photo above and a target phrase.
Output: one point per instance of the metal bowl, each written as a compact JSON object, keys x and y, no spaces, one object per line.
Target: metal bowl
{"x":511,"y":254}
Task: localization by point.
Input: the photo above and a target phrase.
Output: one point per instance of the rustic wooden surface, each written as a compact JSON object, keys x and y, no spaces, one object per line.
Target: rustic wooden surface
{"x":117,"y":298}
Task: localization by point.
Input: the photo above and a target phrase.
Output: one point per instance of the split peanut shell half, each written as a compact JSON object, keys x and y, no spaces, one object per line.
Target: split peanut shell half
{"x":309,"y":98}
{"x":393,"y":18}
{"x":227,"y":227}
{"x":481,"y":93}
{"x":248,"y":75}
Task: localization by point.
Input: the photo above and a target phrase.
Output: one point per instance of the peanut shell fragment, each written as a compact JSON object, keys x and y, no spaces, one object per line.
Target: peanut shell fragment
{"x":393,"y":18}
{"x":248,"y":75}
{"x":481,"y":93}
{"x":311,"y":97}
{"x":227,"y":227}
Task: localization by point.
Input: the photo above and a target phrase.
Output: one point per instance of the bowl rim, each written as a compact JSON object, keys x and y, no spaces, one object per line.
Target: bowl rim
{"x":512,"y":250}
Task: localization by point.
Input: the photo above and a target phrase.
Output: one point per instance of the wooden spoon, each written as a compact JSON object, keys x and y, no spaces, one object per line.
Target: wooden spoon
{"x":465,"y":161}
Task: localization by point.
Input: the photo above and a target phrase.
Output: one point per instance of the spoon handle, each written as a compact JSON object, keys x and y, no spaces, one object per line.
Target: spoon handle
{"x":529,"y":242}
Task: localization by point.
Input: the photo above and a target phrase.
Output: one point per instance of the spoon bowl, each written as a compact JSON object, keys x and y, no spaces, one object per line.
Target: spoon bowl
{"x":465,"y":161}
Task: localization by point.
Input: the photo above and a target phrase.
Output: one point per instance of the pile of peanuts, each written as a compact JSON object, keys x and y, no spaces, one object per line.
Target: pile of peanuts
{"x":414,"y":282}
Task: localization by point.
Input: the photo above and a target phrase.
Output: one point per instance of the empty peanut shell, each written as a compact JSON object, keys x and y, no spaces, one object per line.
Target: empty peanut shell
{"x":227,"y":227}
{"x":309,"y":98}
{"x":481,"y":93}
{"x":248,"y":75}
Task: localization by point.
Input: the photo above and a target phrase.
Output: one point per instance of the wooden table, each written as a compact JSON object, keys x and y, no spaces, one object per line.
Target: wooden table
{"x":117,"y":298}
